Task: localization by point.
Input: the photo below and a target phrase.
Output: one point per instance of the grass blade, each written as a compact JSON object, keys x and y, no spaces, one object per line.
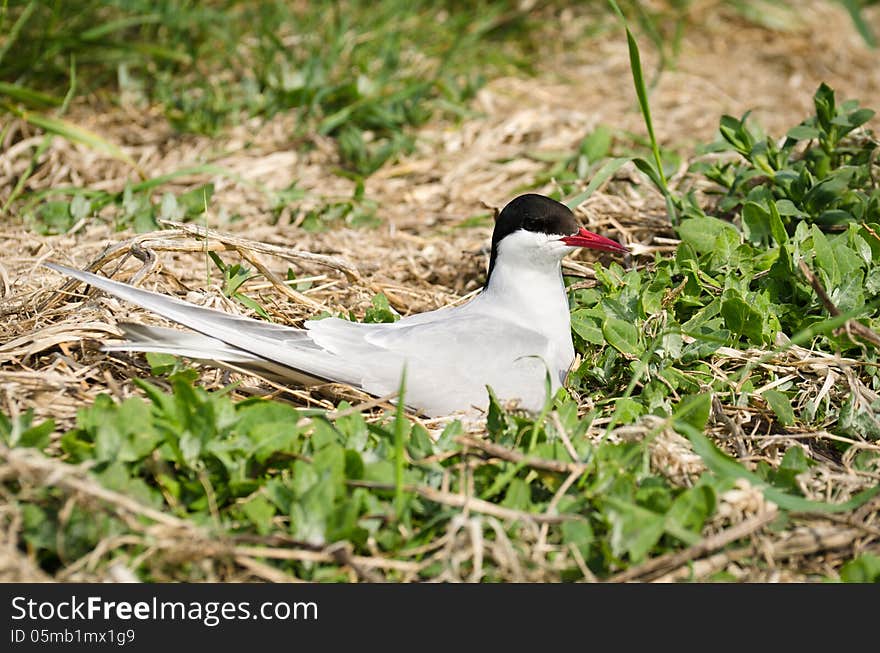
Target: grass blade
{"x":635,"y":64}
{"x":854,"y":7}
{"x":14,"y":31}
{"x":75,"y":133}
{"x":401,"y":426}
{"x":28,"y":96}
{"x":727,"y":467}
{"x":604,"y":174}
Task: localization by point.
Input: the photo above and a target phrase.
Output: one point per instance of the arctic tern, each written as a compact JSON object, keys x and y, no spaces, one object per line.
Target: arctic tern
{"x":509,"y":337}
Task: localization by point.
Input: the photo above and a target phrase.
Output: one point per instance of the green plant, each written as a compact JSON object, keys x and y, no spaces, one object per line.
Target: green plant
{"x":363,"y":73}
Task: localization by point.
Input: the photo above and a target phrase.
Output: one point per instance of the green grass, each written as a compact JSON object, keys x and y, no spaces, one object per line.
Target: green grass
{"x":364,"y":73}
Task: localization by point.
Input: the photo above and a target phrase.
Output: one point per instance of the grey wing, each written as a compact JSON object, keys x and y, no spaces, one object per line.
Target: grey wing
{"x":449,"y":361}
{"x":287,"y":346}
{"x":142,"y":338}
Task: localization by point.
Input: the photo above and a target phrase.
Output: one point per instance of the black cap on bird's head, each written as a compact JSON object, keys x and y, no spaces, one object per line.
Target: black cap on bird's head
{"x":543,"y":215}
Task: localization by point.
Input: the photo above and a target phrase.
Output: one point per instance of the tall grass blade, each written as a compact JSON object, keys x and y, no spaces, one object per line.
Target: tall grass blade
{"x":602,"y":175}
{"x":75,"y":133}
{"x":401,"y":427}
{"x":28,"y":96}
{"x":727,"y":467}
{"x":635,"y":63}
{"x":854,"y":7}
{"x":15,"y":30}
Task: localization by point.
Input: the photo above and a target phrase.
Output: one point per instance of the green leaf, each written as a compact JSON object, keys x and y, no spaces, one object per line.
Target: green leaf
{"x":627,"y":410}
{"x":864,"y":569}
{"x":518,"y":495}
{"x":781,"y":405}
{"x":580,"y":534}
{"x":260,"y":512}
{"x":380,"y":311}
{"x":803,"y":133}
{"x":583,"y":324}
{"x":742,"y":318}
{"x":650,"y":170}
{"x":634,"y":530}
{"x":702,"y":233}
{"x":196,"y":201}
{"x":161,"y":364}
{"x":635,"y":66}
{"x":757,"y":223}
{"x":622,"y":335}
{"x":28,"y":96}
{"x":794,"y":462}
{"x":20,"y":432}
{"x":734,"y":131}
{"x":780,"y":235}
{"x":727,"y":468}
{"x":689,"y":512}
{"x":695,"y":410}
{"x":825,"y":255}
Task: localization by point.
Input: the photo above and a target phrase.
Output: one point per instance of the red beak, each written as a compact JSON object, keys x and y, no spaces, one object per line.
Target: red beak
{"x":584,"y":238}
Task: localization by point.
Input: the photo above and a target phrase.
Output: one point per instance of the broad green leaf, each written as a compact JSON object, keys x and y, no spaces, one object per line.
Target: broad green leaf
{"x":803,"y":133}
{"x":702,"y":233}
{"x":20,"y":432}
{"x":634,"y":530}
{"x":586,"y":328}
{"x":864,"y":569}
{"x":776,"y":227}
{"x":781,"y":405}
{"x":259,"y":511}
{"x":689,"y":512}
{"x":825,"y":255}
{"x":627,"y":410}
{"x":622,"y":335}
{"x":380,"y":310}
{"x":580,"y":534}
{"x":756,"y":223}
{"x":742,"y":318}
{"x":695,"y":410}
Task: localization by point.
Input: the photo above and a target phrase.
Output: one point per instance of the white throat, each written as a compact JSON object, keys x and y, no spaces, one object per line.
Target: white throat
{"x":526,"y":288}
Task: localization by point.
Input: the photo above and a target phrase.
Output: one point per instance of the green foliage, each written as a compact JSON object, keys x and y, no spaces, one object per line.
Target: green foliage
{"x":362,"y":73}
{"x":58,"y":210}
{"x":20,"y":431}
{"x":234,"y":276}
{"x":266,"y":468}
{"x":380,"y":311}
{"x":647,"y":337}
{"x":864,"y":569}
{"x":738,"y":284}
{"x":821,"y":173}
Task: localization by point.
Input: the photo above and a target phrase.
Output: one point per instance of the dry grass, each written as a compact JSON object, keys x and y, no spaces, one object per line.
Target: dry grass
{"x":421,"y":261}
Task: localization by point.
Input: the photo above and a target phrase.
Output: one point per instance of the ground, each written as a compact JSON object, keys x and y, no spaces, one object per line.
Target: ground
{"x":427,"y":250}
